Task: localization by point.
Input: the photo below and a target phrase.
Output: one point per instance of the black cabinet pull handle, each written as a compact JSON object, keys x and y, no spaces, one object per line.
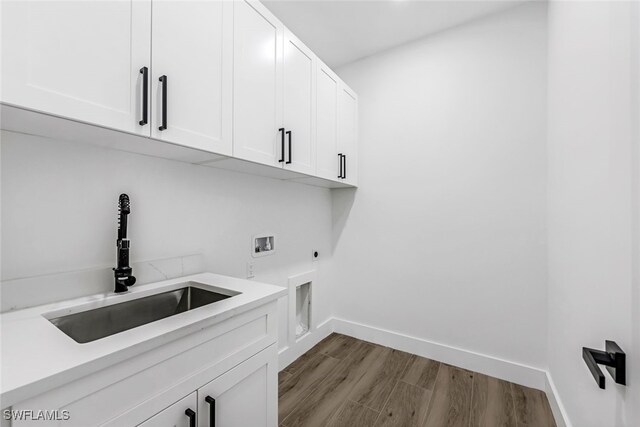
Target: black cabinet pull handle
{"x":340,"y":165}
{"x":212,"y":410}
{"x":165,"y":87}
{"x":289,"y":135}
{"x":145,"y":95}
{"x":344,"y":169}
{"x":192,"y":417}
{"x":281,"y":130}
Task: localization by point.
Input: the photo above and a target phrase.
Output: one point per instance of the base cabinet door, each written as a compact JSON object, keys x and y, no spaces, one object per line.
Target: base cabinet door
{"x":81,"y":60}
{"x":180,"y":414}
{"x":247,"y":395}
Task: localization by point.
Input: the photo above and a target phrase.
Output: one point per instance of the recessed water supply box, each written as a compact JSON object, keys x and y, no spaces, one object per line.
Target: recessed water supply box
{"x":263,"y":245}
{"x":303,"y":310}
{"x":300,"y":320}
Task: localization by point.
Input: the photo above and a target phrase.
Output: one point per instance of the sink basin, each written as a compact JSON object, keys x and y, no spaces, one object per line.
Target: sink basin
{"x":91,"y":325}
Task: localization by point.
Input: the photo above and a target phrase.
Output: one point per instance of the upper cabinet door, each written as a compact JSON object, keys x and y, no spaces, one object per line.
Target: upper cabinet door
{"x":77,"y":59}
{"x":348,"y":133}
{"x":193,"y":55}
{"x":257,"y":84}
{"x":299,"y":105}
{"x":327,"y":159}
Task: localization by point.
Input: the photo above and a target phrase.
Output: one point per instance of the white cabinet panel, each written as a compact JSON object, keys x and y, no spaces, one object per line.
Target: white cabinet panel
{"x":77,"y":59}
{"x":299,"y":105}
{"x":193,"y":48}
{"x":257,"y":85}
{"x":175,"y":415}
{"x":348,"y":133}
{"x":327,"y":161}
{"x":245,"y":396}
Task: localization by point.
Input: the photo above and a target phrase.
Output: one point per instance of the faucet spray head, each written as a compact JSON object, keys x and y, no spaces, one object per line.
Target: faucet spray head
{"x":123,"y":204}
{"x":124,"y":209}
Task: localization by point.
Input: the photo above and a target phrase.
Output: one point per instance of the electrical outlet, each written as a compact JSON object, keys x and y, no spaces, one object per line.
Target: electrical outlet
{"x":250,"y":270}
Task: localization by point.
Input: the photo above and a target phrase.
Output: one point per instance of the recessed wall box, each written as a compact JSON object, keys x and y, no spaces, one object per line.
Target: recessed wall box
{"x":303,"y":310}
{"x":300,"y":317}
{"x":263,"y":245}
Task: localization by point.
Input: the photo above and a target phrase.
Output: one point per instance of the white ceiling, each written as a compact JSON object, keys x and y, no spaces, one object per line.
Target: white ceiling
{"x":342,"y":31}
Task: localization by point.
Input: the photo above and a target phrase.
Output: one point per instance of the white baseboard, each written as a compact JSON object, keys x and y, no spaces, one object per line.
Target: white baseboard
{"x":488,"y":365}
{"x":559,"y":413}
{"x":304,"y":344}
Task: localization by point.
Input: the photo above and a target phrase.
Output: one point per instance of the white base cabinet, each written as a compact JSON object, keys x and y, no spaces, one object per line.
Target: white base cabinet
{"x":238,"y":398}
{"x":233,"y":362}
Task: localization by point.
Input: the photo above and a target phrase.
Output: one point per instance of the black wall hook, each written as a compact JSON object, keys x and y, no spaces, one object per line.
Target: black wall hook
{"x":613,"y":358}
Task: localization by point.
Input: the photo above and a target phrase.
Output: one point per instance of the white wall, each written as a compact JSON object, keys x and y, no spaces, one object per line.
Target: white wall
{"x":593,"y":204}
{"x":445,"y":239}
{"x":59,"y":214}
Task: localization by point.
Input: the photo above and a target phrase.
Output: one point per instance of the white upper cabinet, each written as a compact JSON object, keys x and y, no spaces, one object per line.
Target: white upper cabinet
{"x":299,"y":105}
{"x":257,"y":85}
{"x":192,"y":71}
{"x":348,"y":134}
{"x":327,"y":159}
{"x":77,"y":59}
{"x":223,"y":77}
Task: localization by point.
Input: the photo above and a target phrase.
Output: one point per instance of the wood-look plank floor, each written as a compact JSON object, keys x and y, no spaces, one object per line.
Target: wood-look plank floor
{"x":345,"y":382}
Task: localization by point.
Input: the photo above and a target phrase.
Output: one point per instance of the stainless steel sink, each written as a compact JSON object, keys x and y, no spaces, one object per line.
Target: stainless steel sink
{"x":91,"y":325}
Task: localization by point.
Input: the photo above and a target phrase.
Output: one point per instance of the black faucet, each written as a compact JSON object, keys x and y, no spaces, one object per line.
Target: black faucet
{"x":122,"y":272}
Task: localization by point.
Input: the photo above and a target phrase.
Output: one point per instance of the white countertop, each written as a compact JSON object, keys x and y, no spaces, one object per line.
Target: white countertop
{"x":37,"y":356}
